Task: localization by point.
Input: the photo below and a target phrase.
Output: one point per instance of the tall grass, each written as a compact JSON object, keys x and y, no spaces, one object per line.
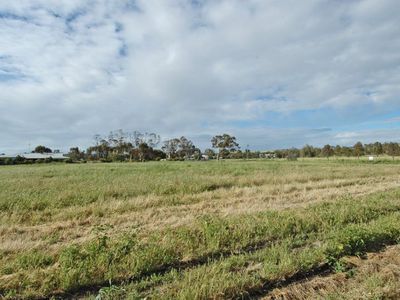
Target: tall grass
{"x":343,"y":227}
{"x":42,"y":187}
{"x":87,"y":229}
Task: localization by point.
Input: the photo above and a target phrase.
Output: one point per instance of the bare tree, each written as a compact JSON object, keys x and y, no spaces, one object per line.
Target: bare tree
{"x":136,"y":138}
{"x":170,"y":147}
{"x":186,"y":148}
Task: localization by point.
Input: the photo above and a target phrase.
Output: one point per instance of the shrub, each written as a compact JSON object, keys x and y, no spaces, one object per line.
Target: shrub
{"x":69,"y":161}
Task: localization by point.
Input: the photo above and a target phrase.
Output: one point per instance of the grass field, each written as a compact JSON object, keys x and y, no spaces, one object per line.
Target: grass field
{"x":198,"y":230}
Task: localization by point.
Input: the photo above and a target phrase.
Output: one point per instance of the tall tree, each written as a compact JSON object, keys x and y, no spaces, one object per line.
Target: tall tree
{"x":101,"y":149}
{"x":42,"y":149}
{"x":307,"y":151}
{"x":182,"y":148}
{"x":145,"y":151}
{"x":358,"y":149}
{"x":151,"y":139}
{"x":210,"y":153}
{"x":224,"y":142}
{"x":378,"y":149}
{"x":338,"y":151}
{"x":119,"y":144}
{"x":186,"y":148}
{"x":327,"y":151}
{"x":347,"y":151}
{"x":393,"y":149}
{"x":75,"y":154}
{"x":170,"y":147}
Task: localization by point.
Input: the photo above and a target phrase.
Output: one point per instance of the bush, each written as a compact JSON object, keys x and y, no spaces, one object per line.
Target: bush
{"x":105,"y":160}
{"x":9,"y":161}
{"x":48,"y":160}
{"x":19,"y":160}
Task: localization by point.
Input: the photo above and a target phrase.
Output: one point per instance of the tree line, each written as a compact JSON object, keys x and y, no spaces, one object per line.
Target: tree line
{"x":120,"y":145}
{"x":141,"y":147}
{"x":136,"y":146}
{"x":357,"y":150}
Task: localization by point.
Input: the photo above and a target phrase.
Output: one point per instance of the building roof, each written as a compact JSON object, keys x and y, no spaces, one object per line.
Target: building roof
{"x":36,"y":155}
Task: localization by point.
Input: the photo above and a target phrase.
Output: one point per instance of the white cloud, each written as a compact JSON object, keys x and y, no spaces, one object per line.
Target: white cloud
{"x":367,"y":136}
{"x":69,"y":69}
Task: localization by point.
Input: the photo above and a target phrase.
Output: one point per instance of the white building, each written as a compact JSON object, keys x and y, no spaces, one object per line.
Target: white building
{"x":35,"y":156}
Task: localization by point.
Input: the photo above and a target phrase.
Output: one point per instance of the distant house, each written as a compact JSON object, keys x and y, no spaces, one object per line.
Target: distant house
{"x":269,"y":155}
{"x":36,"y":156}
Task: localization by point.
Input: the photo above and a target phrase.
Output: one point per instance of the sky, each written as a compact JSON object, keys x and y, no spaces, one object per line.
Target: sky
{"x":275,"y":74}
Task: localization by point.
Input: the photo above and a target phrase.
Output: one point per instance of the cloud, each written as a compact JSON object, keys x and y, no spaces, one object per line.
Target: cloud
{"x":70,"y":69}
{"x":393,"y":120}
{"x":367,"y":136}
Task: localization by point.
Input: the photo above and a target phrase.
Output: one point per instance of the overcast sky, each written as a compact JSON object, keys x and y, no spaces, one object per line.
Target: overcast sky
{"x":273,"y":73}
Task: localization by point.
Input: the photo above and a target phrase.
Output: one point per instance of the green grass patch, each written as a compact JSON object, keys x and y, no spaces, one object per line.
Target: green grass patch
{"x":347,"y":226}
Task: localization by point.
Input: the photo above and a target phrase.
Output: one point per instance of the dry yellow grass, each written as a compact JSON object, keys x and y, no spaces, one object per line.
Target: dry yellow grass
{"x":377,"y":276}
{"x":255,"y":191}
{"x":49,"y":208}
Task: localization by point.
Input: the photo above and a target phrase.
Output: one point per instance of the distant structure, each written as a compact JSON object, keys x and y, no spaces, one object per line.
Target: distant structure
{"x":269,"y":155}
{"x":36,"y":156}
